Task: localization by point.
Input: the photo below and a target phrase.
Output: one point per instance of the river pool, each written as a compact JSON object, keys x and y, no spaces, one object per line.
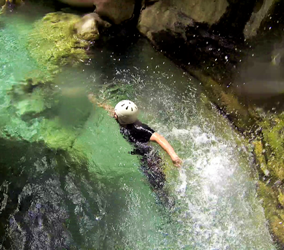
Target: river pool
{"x":67,"y":180}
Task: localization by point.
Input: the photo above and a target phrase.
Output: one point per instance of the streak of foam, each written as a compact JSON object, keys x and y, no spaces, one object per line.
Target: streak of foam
{"x":181,"y":188}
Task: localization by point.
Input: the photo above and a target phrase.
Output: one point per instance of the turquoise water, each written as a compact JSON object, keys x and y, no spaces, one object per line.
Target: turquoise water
{"x":68,"y":182}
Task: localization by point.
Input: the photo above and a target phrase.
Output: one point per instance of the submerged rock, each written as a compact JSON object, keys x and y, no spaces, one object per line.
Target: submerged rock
{"x":44,"y":206}
{"x":46,"y":112}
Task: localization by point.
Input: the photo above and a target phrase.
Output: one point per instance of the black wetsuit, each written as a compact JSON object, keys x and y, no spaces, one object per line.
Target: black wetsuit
{"x":139,"y":135}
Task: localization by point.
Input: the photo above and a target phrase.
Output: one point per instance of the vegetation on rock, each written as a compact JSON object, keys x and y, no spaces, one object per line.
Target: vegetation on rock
{"x":53,"y":42}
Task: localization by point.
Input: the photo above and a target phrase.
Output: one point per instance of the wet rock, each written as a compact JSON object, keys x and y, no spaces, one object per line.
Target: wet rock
{"x":272,"y":130}
{"x":115,"y":11}
{"x":89,"y":27}
{"x":79,"y":3}
{"x":188,"y":41}
{"x":2,"y":2}
{"x":269,"y":156}
{"x":261,"y":11}
{"x":209,"y":34}
{"x":55,"y":114}
{"x":281,"y":198}
{"x":208,"y":12}
{"x":53,"y":42}
{"x":273,"y":211}
{"x":169,"y":18}
{"x":260,"y":156}
{"x":9,"y":4}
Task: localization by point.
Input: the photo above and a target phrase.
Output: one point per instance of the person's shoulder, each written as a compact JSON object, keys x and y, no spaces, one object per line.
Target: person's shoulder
{"x":143,"y":126}
{"x":139,"y":124}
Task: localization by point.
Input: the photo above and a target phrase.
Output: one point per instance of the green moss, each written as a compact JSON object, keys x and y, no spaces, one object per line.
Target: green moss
{"x":277,"y":225}
{"x":273,"y":130}
{"x":269,"y":199}
{"x":269,"y":156}
{"x":53,"y":42}
{"x":260,"y":158}
{"x":281,"y":198}
{"x":273,"y":210}
{"x":273,"y":133}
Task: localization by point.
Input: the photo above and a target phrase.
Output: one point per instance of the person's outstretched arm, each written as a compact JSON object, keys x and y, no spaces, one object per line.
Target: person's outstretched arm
{"x":105,"y":106}
{"x":167,"y":147}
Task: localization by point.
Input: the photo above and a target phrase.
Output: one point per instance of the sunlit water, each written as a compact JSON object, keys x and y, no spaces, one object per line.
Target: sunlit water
{"x":68,"y":182}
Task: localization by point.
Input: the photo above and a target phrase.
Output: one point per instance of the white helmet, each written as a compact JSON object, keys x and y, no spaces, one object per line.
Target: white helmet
{"x":126,"y":112}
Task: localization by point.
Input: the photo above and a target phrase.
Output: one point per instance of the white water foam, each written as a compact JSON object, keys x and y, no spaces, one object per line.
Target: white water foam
{"x":218,"y":209}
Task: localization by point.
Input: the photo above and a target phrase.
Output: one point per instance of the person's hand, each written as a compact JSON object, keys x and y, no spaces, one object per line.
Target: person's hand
{"x":177,"y":161}
{"x":92,"y":98}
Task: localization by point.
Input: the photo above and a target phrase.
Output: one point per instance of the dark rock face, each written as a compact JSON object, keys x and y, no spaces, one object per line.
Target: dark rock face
{"x":2,"y":2}
{"x":262,"y":11}
{"x":233,"y":21}
{"x":115,"y":11}
{"x":189,"y":42}
{"x":212,"y":36}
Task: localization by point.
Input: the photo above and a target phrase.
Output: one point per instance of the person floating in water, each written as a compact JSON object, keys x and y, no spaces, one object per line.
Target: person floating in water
{"x":139,"y":134}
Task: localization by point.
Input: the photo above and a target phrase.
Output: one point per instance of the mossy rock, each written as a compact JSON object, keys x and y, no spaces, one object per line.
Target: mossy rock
{"x":260,"y":157}
{"x":273,"y":134}
{"x":277,"y":225}
{"x":274,"y":212}
{"x":53,"y":42}
{"x":281,"y":198}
